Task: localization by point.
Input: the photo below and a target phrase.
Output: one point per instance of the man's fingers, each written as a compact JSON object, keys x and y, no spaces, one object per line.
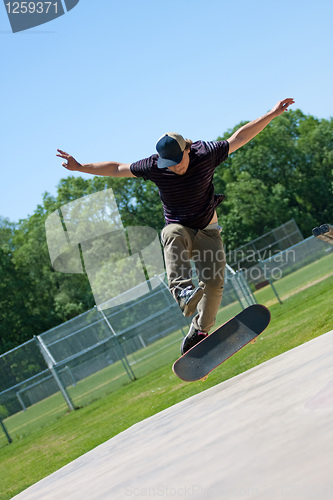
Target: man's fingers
{"x":284,"y":104}
{"x":66,"y":156}
{"x":287,"y":102}
{"x":63,"y":154}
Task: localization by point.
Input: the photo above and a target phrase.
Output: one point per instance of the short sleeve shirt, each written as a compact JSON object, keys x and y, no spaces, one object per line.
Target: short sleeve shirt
{"x":187,"y":199}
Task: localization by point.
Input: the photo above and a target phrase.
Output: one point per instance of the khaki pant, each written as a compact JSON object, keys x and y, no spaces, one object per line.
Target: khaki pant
{"x":205,"y":249}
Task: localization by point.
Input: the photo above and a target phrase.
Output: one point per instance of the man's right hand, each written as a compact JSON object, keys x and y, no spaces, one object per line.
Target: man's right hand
{"x":71,"y":164}
{"x":107,"y":168}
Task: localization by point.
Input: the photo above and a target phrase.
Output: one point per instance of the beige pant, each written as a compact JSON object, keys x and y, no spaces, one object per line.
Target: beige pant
{"x":205,"y":249}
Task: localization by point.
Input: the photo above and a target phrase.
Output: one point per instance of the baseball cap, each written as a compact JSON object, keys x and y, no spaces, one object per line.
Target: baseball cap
{"x":170,"y":148}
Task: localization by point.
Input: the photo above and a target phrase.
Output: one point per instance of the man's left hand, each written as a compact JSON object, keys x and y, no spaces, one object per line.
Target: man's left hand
{"x":282,"y":106}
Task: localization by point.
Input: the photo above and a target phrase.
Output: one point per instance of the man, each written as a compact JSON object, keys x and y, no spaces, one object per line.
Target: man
{"x":183,"y":172}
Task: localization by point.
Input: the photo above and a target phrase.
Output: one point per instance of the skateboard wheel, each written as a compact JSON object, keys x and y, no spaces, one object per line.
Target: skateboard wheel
{"x":203,"y":379}
{"x":253,"y":341}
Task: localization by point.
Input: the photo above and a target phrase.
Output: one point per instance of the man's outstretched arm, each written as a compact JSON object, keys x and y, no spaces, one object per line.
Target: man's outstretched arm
{"x":251,"y":129}
{"x":109,"y":169}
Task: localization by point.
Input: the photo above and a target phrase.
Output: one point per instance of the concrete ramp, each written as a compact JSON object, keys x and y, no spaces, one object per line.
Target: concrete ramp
{"x":265,"y":434}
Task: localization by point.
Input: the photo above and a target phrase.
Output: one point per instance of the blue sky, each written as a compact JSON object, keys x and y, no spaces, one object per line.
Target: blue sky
{"x":107,"y":79}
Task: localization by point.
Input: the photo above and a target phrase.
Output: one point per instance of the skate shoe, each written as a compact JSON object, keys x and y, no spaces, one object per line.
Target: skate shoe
{"x":188,"y":299}
{"x":192,"y":338}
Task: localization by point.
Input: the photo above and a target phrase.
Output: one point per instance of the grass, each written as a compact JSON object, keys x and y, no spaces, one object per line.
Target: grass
{"x":297,"y":281}
{"x":53,"y":437}
{"x":97,"y":386}
{"x":102,"y":383}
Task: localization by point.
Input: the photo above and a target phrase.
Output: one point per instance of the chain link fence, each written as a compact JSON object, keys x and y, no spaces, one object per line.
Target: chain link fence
{"x":286,"y":262}
{"x":104,"y":349}
{"x":266,"y":246}
{"x":128,"y":340}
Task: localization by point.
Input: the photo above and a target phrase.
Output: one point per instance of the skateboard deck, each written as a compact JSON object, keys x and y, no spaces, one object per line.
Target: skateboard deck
{"x":228,"y":339}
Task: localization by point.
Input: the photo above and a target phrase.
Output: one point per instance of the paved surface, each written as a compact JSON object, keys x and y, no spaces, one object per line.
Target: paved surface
{"x":265,"y":434}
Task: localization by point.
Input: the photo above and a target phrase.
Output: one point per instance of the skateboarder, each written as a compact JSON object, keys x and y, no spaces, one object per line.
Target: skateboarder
{"x":183,"y":172}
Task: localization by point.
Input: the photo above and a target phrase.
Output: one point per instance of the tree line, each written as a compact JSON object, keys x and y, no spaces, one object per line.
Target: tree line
{"x":285,"y":172}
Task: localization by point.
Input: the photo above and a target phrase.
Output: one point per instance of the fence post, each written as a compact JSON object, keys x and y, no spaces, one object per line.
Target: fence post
{"x":51,"y":366}
{"x":20,"y":400}
{"x":248,"y":292}
{"x":232,"y":281}
{"x":122,"y":356}
{"x":238,"y":280}
{"x":6,"y":432}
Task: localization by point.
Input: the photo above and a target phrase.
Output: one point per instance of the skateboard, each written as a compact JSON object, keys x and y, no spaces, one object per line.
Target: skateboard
{"x":228,"y":339}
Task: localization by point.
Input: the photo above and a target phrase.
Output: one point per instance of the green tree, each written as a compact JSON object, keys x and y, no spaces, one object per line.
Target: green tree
{"x":293,"y":158}
{"x":52,"y":297}
{"x":7,"y":230}
{"x":15,"y":323}
{"x":284,"y":172}
{"x":138,"y":201}
{"x":313,"y":188}
{"x":252,"y":209}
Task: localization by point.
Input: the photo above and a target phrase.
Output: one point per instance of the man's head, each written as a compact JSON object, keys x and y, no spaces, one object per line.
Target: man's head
{"x":171,"y":148}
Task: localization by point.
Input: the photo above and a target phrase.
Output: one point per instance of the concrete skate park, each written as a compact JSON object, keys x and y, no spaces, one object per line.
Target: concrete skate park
{"x":264,"y":434}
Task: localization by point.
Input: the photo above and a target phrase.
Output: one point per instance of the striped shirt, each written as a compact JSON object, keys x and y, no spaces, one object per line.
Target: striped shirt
{"x":187,"y":199}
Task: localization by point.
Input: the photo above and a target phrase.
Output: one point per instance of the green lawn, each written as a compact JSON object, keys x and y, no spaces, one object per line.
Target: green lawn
{"x":297,"y":281}
{"x":51,"y":437}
